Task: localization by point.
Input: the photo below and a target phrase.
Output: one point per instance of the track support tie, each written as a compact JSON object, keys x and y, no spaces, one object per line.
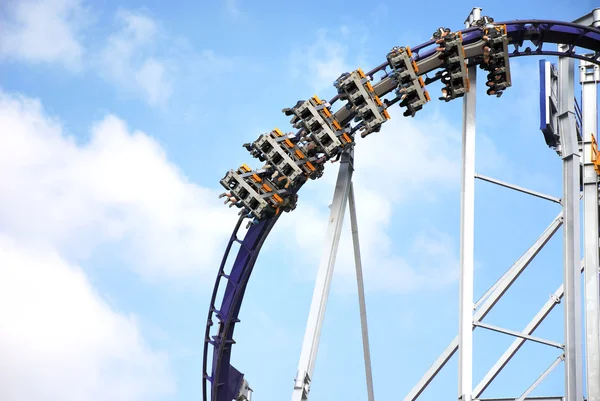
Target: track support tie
{"x":228,"y":342}
{"x":218,"y":340}
{"x":241,"y":242}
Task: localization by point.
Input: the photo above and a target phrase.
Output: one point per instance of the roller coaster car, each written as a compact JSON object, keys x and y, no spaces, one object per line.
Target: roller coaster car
{"x":370,"y":111}
{"x":454,"y":76}
{"x":252,"y":202}
{"x":281,"y":153}
{"x":446,"y":41}
{"x":311,"y":159}
{"x":315,"y":118}
{"x":259,"y":196}
{"x":287,"y":156}
{"x":495,"y":59}
{"x":410,"y":87}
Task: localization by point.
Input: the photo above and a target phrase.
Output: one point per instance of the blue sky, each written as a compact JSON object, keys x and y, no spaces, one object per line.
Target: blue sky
{"x":117,"y":120}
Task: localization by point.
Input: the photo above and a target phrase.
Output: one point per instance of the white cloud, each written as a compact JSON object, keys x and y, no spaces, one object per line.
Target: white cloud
{"x":208,"y":61}
{"x":320,"y":63}
{"x":139,"y":56}
{"x":118,"y":188}
{"x":127,"y":55}
{"x":332,"y":53}
{"x":431,"y":263}
{"x":142,"y":58}
{"x":152,"y":78}
{"x":232,"y":8}
{"x":44,"y":31}
{"x":59,"y":339}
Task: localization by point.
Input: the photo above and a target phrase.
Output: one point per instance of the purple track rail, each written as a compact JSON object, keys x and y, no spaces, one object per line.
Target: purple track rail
{"x":225,"y":380}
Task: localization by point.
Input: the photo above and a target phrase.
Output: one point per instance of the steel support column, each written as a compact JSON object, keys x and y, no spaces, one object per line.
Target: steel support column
{"x":589,"y":76}
{"x":467,"y":235}
{"x":318,"y":305}
{"x":361,"y":295}
{"x":571,"y":243}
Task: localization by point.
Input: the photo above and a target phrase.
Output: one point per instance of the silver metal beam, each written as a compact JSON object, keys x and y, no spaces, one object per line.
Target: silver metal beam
{"x":542,"y":377}
{"x":473,"y":16}
{"x":519,"y":266}
{"x":516,"y":345}
{"x":519,"y":335}
{"x":555,"y":398}
{"x":589,"y":76}
{"x":361,"y":294}
{"x":323,"y":281}
{"x":571,"y":238}
{"x":467,"y":235}
{"x":487,"y":303}
{"x":590,"y":19}
{"x":534,"y":249}
{"x":519,"y":189}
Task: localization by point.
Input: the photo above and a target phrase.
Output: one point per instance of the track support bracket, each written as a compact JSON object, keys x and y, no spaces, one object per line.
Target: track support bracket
{"x":343,"y":196}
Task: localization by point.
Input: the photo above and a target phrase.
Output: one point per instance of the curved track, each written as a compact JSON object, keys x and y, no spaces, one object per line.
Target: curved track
{"x":527,"y":37}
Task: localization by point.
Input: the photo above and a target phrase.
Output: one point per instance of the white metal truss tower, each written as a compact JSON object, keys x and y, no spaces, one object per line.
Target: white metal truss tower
{"x":579,"y":166}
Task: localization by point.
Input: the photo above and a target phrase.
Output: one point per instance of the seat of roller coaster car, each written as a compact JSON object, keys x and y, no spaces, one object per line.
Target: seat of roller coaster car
{"x":337,"y":82}
{"x":446,"y":77}
{"x":492,"y":91}
{"x":440,"y":32}
{"x":484,"y":22}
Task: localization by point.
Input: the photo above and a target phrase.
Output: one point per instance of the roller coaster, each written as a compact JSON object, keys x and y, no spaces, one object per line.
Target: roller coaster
{"x":324,"y":134}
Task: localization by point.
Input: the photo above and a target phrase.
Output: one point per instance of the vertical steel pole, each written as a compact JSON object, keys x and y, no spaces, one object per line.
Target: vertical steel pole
{"x":361,"y":295}
{"x":589,"y":76}
{"x":467,"y":235}
{"x":571,"y":237}
{"x":318,"y":305}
